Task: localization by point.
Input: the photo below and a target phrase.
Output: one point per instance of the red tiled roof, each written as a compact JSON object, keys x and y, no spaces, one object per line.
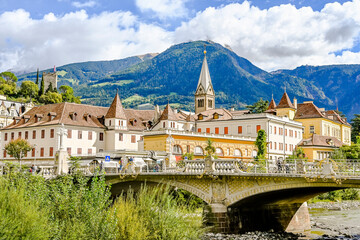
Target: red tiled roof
{"x":272,"y":104}
{"x":138,"y":119}
{"x":308,"y":110}
{"x":116,"y":109}
{"x":323,"y":141}
{"x":168,"y":114}
{"x":285,"y":102}
{"x":209,"y":114}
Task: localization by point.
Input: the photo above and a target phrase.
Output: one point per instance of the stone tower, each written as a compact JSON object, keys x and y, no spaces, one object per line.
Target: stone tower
{"x":204,"y":95}
{"x":50,"y":77}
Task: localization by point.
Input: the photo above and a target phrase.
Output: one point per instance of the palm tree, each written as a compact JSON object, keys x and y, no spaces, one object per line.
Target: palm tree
{"x":210,"y":149}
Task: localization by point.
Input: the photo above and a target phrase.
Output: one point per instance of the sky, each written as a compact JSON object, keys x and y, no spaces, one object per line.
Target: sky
{"x":272,"y":34}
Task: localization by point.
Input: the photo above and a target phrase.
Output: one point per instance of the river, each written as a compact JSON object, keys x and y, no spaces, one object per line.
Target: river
{"x":328,"y":221}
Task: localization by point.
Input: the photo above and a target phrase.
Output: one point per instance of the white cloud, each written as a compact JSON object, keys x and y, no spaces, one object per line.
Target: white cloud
{"x":26,"y":43}
{"x":282,"y":36}
{"x":279,"y":37}
{"x":84,"y":4}
{"x":164,"y":8}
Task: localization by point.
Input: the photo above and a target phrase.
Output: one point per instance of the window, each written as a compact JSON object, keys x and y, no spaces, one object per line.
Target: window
{"x":4,"y":154}
{"x":209,"y":103}
{"x":19,"y":135}
{"x":5,"y":136}
{"x":121,"y":137}
{"x":285,"y":132}
{"x":226,"y":130}
{"x":41,"y":152}
{"x":285,"y":146}
{"x":199,"y":129}
{"x":69,"y":135}
{"x":201,"y":103}
{"x":101,"y":136}
{"x":101,"y":150}
{"x":12,"y":136}
{"x":219,"y":152}
{"x":188,"y":148}
{"x":26,"y":135}
{"x":43,"y":133}
{"x":51,"y":151}
{"x":254,"y":153}
{"x":133,"y":138}
{"x":312,"y":129}
{"x":177,"y":149}
{"x":109,"y":122}
{"x":199,"y":150}
{"x":79,"y":134}
{"x":79,"y":151}
{"x":275,"y":145}
{"x":207,"y":130}
{"x":270,"y":145}
{"x":240,"y":129}
{"x":281,"y":146}
{"x":216,"y":130}
{"x":89,"y":151}
{"x":33,"y":152}
{"x":274,"y":130}
{"x":52,"y":133}
{"x":69,"y":150}
{"x":281,"y":131}
{"x":90,"y":135}
{"x":163,"y":124}
{"x":258,"y":127}
{"x":237,"y":152}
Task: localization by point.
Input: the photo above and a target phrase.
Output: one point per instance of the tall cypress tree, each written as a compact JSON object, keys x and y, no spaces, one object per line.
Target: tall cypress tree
{"x":41,"y":91}
{"x":37,"y":77}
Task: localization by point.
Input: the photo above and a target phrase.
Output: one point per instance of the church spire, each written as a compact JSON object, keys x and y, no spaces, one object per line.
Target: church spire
{"x":204,"y":95}
{"x":116,"y":109}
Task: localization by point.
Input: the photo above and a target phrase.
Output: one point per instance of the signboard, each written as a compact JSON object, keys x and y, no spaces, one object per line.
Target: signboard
{"x":107,"y":158}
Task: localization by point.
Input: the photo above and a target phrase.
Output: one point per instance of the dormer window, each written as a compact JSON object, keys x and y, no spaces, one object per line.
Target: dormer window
{"x":133,"y":121}
{"x":51,"y":115}
{"x":87,"y":116}
{"x":38,"y":117}
{"x":17,"y":119}
{"x":200,"y":117}
{"x":330,"y":142}
{"x":26,"y":118}
{"x":73,"y":116}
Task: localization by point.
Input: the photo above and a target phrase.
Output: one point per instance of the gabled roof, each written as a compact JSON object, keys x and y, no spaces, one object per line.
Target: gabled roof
{"x":204,"y":79}
{"x":208,"y":115}
{"x":116,"y":109}
{"x":308,"y":110}
{"x":168,"y":114}
{"x":272,"y":104}
{"x":285,"y":102}
{"x":322,"y":141}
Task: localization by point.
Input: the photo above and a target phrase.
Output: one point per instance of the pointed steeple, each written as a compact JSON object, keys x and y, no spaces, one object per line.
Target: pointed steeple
{"x":272,"y":104}
{"x":285,"y":102}
{"x":116,"y":109}
{"x":168,"y":114}
{"x":204,"y":82}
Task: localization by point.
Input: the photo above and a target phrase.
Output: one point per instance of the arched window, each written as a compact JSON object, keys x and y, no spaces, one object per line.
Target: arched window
{"x":219,"y":152}
{"x":237,"y":152}
{"x":177,"y":149}
{"x":199,"y":150}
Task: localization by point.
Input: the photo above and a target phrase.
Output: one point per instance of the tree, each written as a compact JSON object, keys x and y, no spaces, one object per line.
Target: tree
{"x":349,"y":152}
{"x":18,"y":148}
{"x":261,"y":144}
{"x":9,"y":77}
{"x":210,"y":149}
{"x":355,"y":131}
{"x":51,"y":97}
{"x":37,"y":77}
{"x":298,"y":154}
{"x":50,"y":88}
{"x":67,"y":94}
{"x":259,"y":106}
{"x":8,"y":83}
{"x":29,"y":89}
{"x":42,"y":86}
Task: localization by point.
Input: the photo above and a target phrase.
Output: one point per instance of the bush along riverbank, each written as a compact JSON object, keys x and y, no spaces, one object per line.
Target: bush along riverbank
{"x":72,"y":207}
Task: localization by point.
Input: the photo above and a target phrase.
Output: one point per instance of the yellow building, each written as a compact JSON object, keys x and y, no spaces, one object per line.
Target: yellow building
{"x":179,"y":142}
{"x":320,"y":147}
{"x":325,"y":123}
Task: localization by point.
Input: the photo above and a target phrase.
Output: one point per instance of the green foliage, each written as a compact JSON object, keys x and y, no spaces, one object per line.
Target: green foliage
{"x":186,"y":198}
{"x":298,"y":153}
{"x":161,"y":214}
{"x":210,"y":149}
{"x":20,"y":217}
{"x":348,"y":152}
{"x":355,"y":131}
{"x":29,"y":89}
{"x":67,"y":94}
{"x":18,"y":148}
{"x":37,"y":77}
{"x":8,"y":83}
{"x":261,"y":144}
{"x":344,"y":194}
{"x":51,"y":97}
{"x":190,"y":156}
{"x":42,"y":86}
{"x":259,"y":106}
{"x":50,"y":88}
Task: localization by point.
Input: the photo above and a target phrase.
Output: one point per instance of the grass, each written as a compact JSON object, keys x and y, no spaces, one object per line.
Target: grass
{"x":119,"y":83}
{"x":133,"y":98}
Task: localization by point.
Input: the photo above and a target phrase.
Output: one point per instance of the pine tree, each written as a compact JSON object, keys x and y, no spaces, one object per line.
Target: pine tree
{"x":42,"y":86}
{"x":261,"y":144}
{"x":50,"y":88}
{"x":37,"y":77}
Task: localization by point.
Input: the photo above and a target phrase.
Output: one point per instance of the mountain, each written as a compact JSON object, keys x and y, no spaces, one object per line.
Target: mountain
{"x":173,"y":76}
{"x":86,"y":72}
{"x":340,"y":82}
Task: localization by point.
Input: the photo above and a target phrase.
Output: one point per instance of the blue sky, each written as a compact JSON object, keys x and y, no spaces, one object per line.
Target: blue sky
{"x":273,"y":34}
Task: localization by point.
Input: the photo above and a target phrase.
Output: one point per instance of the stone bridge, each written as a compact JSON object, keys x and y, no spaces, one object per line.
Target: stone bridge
{"x":249,"y":196}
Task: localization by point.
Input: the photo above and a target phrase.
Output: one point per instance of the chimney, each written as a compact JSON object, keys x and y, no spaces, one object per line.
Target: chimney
{"x":295,"y":103}
{"x":232,"y":109}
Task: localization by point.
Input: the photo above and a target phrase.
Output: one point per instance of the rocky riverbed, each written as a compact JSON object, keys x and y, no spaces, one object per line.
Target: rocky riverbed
{"x":329,"y":220}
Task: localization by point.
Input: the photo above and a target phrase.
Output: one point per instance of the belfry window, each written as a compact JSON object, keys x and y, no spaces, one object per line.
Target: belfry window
{"x":201,"y":103}
{"x":210,"y":103}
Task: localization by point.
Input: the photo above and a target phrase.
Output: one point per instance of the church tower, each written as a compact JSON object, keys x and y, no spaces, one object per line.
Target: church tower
{"x":204,"y":95}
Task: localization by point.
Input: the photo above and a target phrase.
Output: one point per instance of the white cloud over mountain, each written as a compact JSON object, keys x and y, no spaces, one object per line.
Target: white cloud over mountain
{"x":278,"y":37}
